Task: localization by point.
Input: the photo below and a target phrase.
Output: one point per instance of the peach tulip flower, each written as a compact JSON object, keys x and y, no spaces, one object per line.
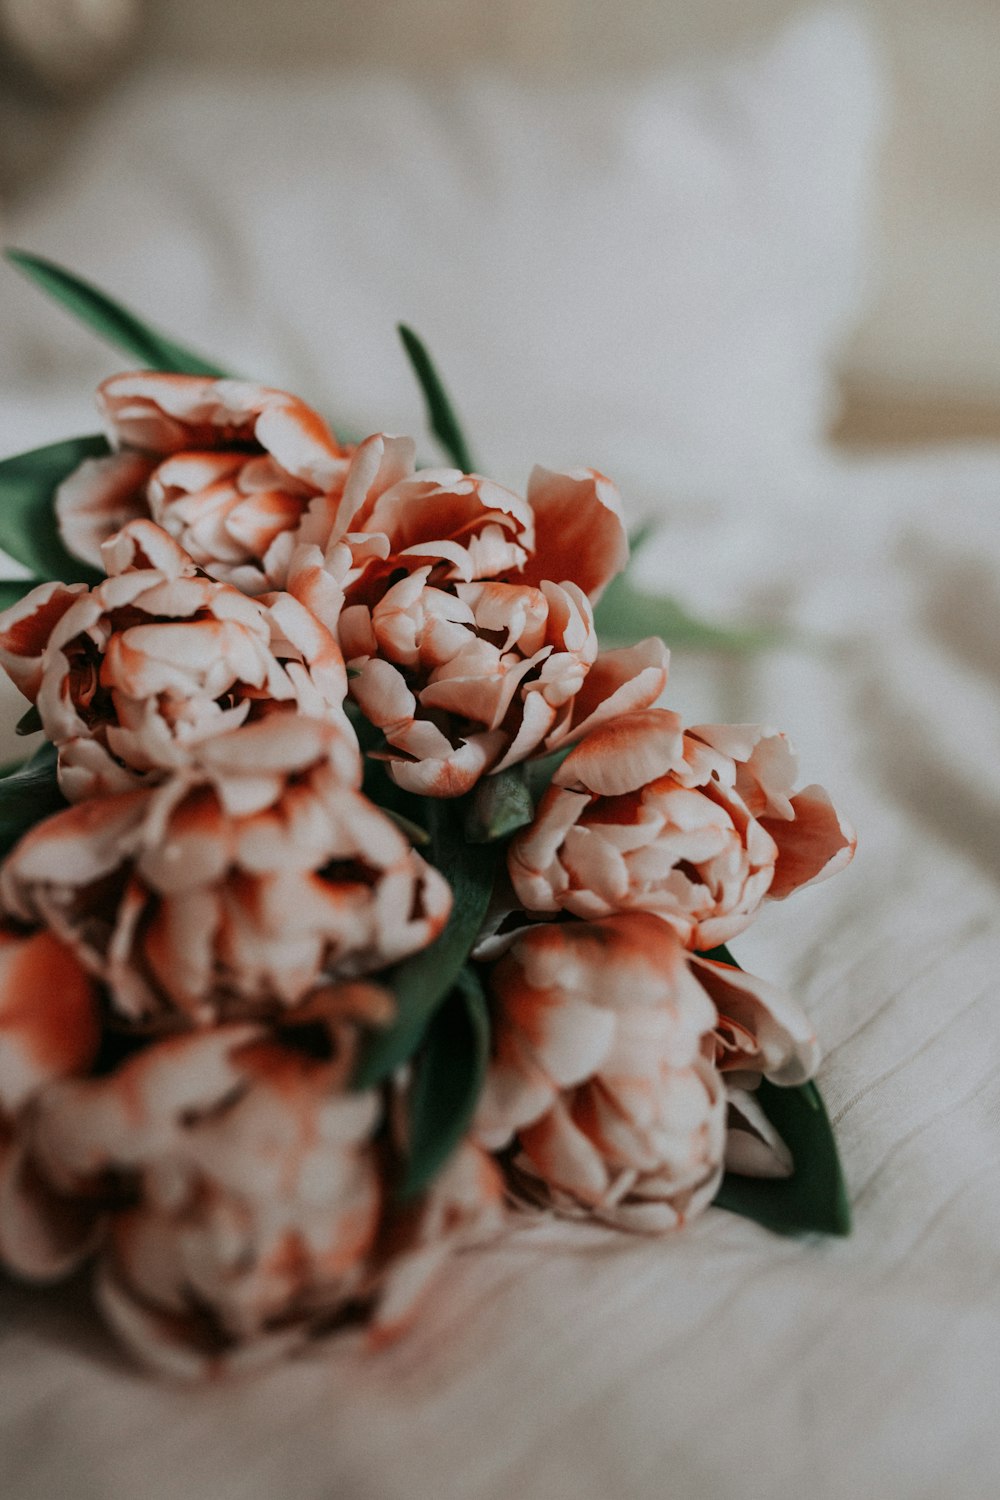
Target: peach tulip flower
{"x":134,"y":676}
{"x":388,"y":518}
{"x":241,"y":1192}
{"x":49,"y":1030}
{"x":698,"y":827}
{"x":471,"y":632}
{"x":601,"y":1085}
{"x":234,"y":890}
{"x":224,"y":465}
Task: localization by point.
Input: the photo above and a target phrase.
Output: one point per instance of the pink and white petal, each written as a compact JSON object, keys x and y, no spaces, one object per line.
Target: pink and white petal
{"x":49,"y":1026}
{"x":441,"y":506}
{"x":313,"y":641}
{"x":753,"y":1146}
{"x":450,"y":775}
{"x":620,"y":682}
{"x":564,"y":1156}
{"x":255,"y":522}
{"x":300,"y":440}
{"x":624,"y":754}
{"x":816,"y":844}
{"x":570,"y":1039}
{"x":98,"y":498}
{"x":766,"y":764}
{"x":127,"y":1117}
{"x":43,"y":1235}
{"x":483,"y":697}
{"x":26,"y":629}
{"x":537,"y":875}
{"x":378,"y":464}
{"x":72,"y":848}
{"x":787,"y":1051}
{"x":315,"y":586}
{"x":187,"y":474}
{"x":517,"y":1091}
{"x":163,"y":413}
{"x":381,"y":693}
{"x":404,"y":1288}
{"x":139,"y":545}
{"x":179,"y":1345}
{"x":536,"y":719}
{"x":579,"y":529}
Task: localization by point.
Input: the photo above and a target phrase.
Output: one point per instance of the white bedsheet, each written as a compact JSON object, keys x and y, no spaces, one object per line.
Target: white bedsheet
{"x":723,"y":1361}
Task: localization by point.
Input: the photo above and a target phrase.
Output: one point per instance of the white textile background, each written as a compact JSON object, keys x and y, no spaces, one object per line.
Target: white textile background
{"x":569,"y":1364}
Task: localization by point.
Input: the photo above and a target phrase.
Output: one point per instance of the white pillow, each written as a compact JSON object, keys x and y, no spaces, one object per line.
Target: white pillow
{"x":661,"y":269}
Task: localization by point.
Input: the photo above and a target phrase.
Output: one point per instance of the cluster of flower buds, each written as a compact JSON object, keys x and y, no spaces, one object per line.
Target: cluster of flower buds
{"x":197,"y":947}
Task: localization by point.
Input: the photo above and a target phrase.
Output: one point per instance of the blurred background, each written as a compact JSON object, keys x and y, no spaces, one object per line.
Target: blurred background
{"x":922,"y":357}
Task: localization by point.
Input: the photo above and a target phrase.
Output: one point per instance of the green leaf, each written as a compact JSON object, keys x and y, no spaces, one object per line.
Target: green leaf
{"x":115,"y":324}
{"x":28,"y":528}
{"x":420,"y":983}
{"x":499,"y":806}
{"x":440,"y":413}
{"x":626,"y":613}
{"x":448,"y":1079}
{"x":814,"y":1199}
{"x":30,"y":722}
{"x":27,"y":796}
{"x":720,"y":955}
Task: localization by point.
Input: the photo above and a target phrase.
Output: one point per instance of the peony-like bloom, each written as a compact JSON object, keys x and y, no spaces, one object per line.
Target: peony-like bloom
{"x":601,"y":1081}
{"x":468,"y":621}
{"x":387,"y":518}
{"x":698,"y":827}
{"x":133,"y":677}
{"x":49,"y":1030}
{"x":464,"y":682}
{"x":224,"y":465}
{"x":237,"y":1185}
{"x":234,"y":890}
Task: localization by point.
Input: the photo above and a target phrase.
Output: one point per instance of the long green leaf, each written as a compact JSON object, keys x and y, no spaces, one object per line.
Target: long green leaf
{"x":115,"y":324}
{"x":626,"y":613}
{"x":28,"y":529}
{"x":448,"y":1079}
{"x":27,"y":796}
{"x":720,"y":955}
{"x":814,"y":1199}
{"x":421,"y":983}
{"x":440,"y":413}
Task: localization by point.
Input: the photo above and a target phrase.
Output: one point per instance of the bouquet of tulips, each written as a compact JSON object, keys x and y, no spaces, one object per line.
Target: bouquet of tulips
{"x":357,"y":901}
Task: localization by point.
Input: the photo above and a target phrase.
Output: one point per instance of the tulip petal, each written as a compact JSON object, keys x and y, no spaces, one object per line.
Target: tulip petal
{"x":579,"y":529}
{"x":819,"y":842}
